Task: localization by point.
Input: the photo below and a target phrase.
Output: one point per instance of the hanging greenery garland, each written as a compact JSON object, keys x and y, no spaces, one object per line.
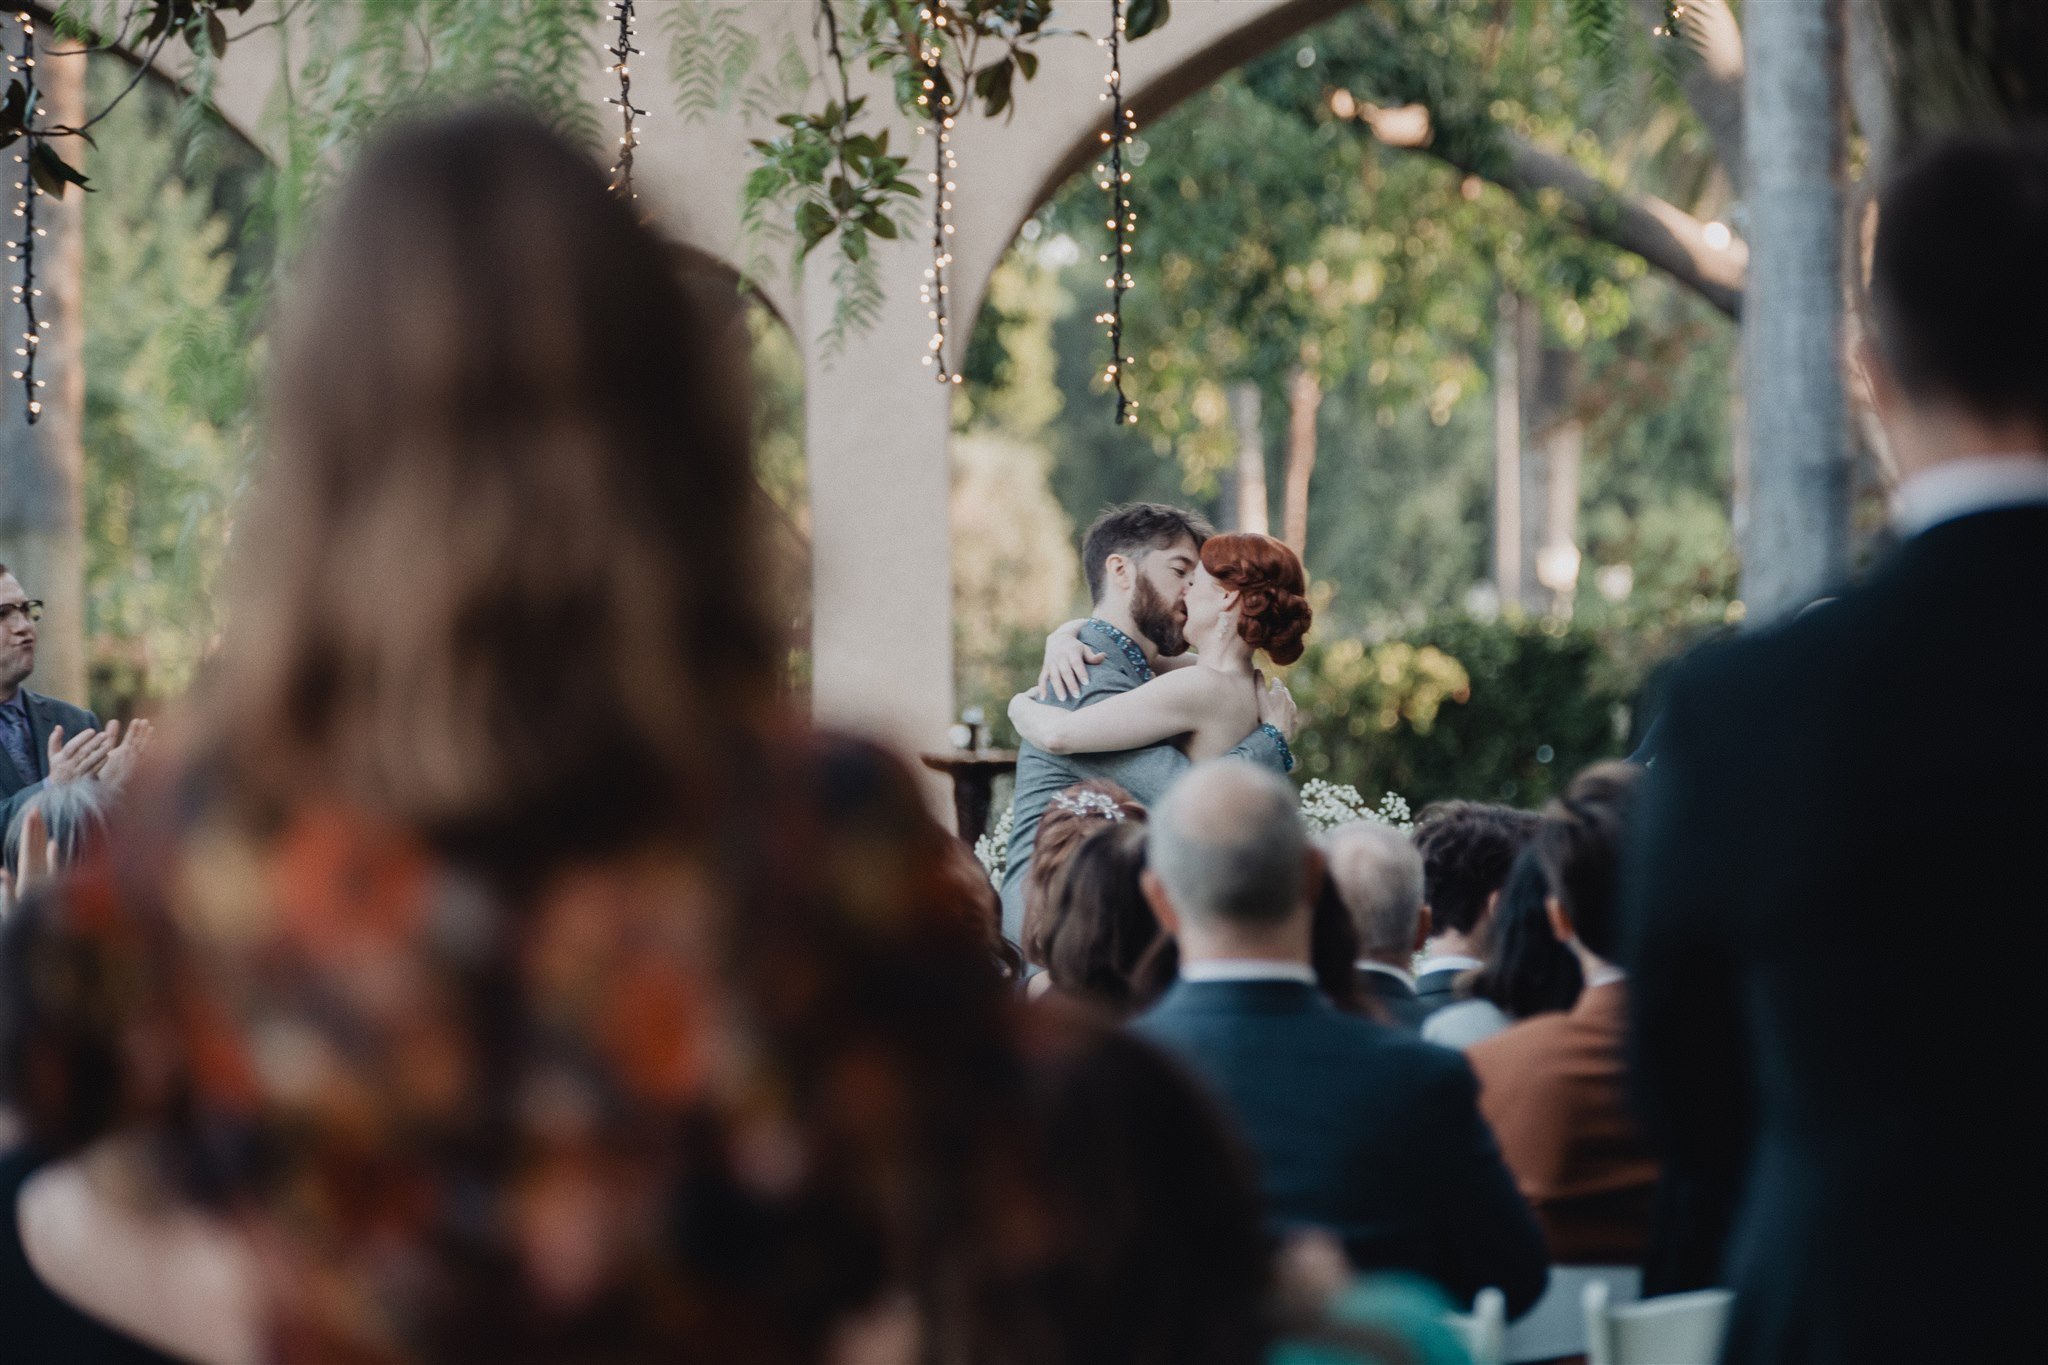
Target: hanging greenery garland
{"x":935,"y":100}
{"x":623,"y":52}
{"x":21,"y":249}
{"x":45,"y":173}
{"x":1123,"y":219}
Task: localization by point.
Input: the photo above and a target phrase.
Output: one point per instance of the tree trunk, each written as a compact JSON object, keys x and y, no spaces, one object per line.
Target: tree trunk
{"x":1798,"y":525}
{"x":1557,"y":438}
{"x":42,"y":496}
{"x":1304,"y":405}
{"x":1245,"y":405}
{"x":1507,"y":450}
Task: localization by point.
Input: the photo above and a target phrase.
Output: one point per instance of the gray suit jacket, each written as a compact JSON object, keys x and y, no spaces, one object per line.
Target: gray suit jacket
{"x":44,"y":715}
{"x":1145,"y":773}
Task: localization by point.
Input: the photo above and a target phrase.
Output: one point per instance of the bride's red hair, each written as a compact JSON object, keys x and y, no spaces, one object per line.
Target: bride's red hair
{"x":1272,"y":600}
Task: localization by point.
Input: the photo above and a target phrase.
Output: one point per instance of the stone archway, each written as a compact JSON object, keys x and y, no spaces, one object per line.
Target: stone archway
{"x":876,"y":425}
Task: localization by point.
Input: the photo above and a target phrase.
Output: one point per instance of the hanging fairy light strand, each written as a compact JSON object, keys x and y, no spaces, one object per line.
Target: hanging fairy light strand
{"x":1113,"y":176}
{"x":623,"y":53}
{"x":935,"y":98}
{"x":21,"y":248}
{"x":1674,"y":18}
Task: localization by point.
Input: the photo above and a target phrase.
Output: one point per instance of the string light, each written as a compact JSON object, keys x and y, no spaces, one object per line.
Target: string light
{"x":1111,"y":175}
{"x":623,"y":53}
{"x":21,"y":250}
{"x":1674,"y":16}
{"x":936,"y":101}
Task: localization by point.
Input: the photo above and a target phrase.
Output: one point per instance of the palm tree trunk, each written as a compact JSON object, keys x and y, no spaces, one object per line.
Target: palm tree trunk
{"x":1245,"y":405}
{"x":1797,"y":540}
{"x":1304,"y":405}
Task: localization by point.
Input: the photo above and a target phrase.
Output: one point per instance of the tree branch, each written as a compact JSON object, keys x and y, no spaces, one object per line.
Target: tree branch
{"x":1663,"y":234}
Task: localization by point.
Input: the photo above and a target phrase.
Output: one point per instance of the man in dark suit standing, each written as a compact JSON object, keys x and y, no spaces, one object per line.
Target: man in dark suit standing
{"x":1377,"y":874}
{"x":1358,"y":1128}
{"x":41,"y":739}
{"x":1839,"y":798}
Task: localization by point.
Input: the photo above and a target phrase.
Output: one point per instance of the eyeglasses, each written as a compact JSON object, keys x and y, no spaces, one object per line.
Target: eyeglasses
{"x":32,"y":609}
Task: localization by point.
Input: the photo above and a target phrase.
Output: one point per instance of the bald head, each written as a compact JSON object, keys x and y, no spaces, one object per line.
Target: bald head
{"x":1378,"y":875}
{"x":1227,"y":845}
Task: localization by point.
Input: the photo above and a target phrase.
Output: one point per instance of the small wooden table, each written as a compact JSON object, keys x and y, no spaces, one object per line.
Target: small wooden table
{"x":974,"y":773}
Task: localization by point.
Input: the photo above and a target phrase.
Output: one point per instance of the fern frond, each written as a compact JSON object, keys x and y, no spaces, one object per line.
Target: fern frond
{"x":1597,"y":29}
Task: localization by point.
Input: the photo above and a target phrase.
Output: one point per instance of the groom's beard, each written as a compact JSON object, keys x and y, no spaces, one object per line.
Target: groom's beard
{"x":1158,"y":620}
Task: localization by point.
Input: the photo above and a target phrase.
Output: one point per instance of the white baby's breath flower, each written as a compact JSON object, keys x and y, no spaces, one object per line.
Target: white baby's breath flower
{"x":1326,"y":805}
{"x":993,"y":848}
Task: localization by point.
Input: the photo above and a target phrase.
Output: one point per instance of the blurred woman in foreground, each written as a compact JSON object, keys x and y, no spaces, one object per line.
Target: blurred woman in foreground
{"x":530,"y":986}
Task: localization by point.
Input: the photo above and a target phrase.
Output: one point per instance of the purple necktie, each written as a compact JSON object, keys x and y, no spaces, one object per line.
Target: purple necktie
{"x":17,"y":740}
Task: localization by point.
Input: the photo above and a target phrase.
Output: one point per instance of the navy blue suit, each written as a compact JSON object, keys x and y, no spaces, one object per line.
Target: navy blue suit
{"x":44,"y":715}
{"x":1362,"y":1129}
{"x":1838,"y":805}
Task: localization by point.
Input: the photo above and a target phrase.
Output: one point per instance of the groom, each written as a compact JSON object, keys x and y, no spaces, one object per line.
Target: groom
{"x":1138,"y":560}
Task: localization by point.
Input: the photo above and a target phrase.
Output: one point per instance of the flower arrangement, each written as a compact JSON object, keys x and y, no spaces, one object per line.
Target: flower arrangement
{"x":1326,"y":805}
{"x":993,"y":848}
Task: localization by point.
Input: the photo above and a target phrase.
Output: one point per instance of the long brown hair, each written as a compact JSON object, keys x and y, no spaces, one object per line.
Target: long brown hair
{"x":462,"y":601}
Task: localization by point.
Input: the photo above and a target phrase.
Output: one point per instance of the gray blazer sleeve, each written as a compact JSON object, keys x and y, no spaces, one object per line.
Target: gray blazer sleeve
{"x":1265,"y":747}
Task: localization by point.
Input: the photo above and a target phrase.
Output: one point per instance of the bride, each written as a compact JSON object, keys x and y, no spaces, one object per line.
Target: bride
{"x":1247,"y":595}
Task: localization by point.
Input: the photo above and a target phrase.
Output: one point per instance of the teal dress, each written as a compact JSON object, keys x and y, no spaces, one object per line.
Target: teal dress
{"x":1406,"y":1313}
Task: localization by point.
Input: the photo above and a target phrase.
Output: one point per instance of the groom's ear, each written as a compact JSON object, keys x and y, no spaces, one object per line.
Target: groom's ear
{"x":1117,"y":570}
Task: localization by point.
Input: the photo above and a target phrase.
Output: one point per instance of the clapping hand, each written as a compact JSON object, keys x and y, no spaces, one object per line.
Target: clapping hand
{"x":81,"y":756}
{"x":37,"y":860}
{"x":122,"y":758}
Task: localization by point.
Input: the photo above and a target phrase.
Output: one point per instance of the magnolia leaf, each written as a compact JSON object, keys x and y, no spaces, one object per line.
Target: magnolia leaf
{"x":217,"y":35}
{"x":1143,"y":16}
{"x":881,"y":225}
{"x":992,"y":87}
{"x":52,"y":173}
{"x":813,"y":223}
{"x":854,"y":243}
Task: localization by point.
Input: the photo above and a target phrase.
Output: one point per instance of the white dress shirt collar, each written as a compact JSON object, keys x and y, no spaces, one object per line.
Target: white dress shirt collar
{"x":1447,"y":962}
{"x":1972,"y":483}
{"x":1246,"y":969}
{"x":1366,"y":964}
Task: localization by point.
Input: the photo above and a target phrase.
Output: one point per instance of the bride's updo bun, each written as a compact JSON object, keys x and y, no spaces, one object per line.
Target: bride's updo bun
{"x":1272,"y":601}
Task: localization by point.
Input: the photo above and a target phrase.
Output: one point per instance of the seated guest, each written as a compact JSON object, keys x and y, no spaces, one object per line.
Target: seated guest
{"x":982,"y":907}
{"x":1070,"y":817}
{"x":1094,"y":927}
{"x":1553,"y":1086}
{"x":1332,"y":958}
{"x":1357,"y":1127}
{"x":1466,"y":850}
{"x":1528,"y":972}
{"x":1179,"y":1273}
{"x":60,"y":823}
{"x":1377,"y":874}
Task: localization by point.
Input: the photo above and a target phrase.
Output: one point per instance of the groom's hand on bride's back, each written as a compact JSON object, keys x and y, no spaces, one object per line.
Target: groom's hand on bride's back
{"x":1276,"y":704}
{"x":1064,"y":674}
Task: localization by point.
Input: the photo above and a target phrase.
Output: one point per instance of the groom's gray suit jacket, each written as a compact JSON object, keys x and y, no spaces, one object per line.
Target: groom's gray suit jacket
{"x":1145,"y":773}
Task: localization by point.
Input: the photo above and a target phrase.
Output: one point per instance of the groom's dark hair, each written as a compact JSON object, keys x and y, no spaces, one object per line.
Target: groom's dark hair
{"x":1133,"y":528}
